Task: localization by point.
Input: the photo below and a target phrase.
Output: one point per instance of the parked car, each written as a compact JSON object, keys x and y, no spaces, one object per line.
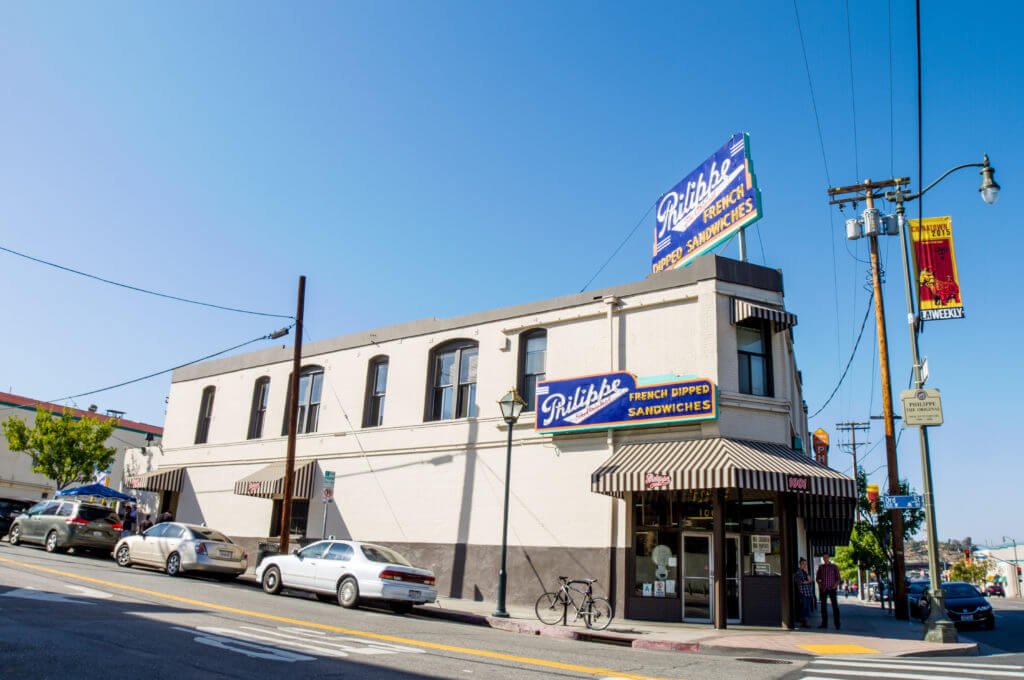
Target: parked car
{"x":995,"y":589}
{"x":62,"y":524}
{"x":964,"y":605}
{"x":10,"y":508}
{"x":349,"y":572}
{"x":177,"y":548}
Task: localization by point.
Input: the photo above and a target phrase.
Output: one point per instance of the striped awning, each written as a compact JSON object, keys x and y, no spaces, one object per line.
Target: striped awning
{"x":718,"y":463}
{"x":158,"y":480}
{"x":742,"y":310}
{"x":268,"y":482}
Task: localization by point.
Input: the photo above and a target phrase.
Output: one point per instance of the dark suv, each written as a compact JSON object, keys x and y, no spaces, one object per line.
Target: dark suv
{"x":10,"y":508}
{"x":59,"y":525}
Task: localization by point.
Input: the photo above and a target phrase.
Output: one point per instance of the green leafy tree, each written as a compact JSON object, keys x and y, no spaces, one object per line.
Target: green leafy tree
{"x":972,"y":573}
{"x":64,"y":448}
{"x":846,"y":563}
{"x":878,"y":521}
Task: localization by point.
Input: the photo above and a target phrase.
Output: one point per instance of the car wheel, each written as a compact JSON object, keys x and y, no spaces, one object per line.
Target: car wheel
{"x":173,"y":567}
{"x":348,"y":593}
{"x":15,"y":537}
{"x":272,"y":581}
{"x":124,"y":556}
{"x":51,"y":542}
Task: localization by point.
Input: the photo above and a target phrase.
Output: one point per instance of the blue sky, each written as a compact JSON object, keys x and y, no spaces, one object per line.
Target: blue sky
{"x":433,"y":159}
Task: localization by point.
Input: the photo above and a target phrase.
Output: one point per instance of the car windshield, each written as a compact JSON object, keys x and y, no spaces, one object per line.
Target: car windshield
{"x":208,"y":534}
{"x":92,"y":513}
{"x":959,"y":590}
{"x":376,"y":553}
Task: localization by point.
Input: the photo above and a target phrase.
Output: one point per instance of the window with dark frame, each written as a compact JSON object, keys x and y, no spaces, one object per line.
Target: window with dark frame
{"x":754,"y":350}
{"x":299,"y":519}
{"x":376,"y":388}
{"x":311,"y":384}
{"x":205,"y":414}
{"x":532,"y":365}
{"x":453,"y":381}
{"x":260,"y":396}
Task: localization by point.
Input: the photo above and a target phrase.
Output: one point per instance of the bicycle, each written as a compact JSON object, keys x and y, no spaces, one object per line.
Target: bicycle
{"x":553,"y":607}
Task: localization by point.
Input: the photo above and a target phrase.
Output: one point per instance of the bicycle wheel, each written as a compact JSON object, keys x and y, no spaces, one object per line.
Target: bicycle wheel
{"x":599,"y":614}
{"x":549,"y":608}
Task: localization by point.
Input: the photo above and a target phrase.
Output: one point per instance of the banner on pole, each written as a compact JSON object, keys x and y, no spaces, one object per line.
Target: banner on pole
{"x":935,"y":269}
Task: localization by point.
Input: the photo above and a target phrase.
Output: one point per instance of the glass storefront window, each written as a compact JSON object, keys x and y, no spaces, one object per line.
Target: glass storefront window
{"x":760,"y":562}
{"x":656,"y":556}
{"x":758,"y":515}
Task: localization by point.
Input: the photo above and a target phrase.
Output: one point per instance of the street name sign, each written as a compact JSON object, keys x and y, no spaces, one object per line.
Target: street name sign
{"x":921,"y":407}
{"x":915,"y":502}
{"x":328,"y":480}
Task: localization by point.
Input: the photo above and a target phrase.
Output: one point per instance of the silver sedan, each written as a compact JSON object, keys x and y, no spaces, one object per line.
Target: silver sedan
{"x":178,"y":548}
{"x":349,"y":572}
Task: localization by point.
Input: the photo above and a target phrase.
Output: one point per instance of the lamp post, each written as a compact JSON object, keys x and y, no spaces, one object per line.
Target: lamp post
{"x":1016,"y":582}
{"x":511,"y":406}
{"x":938,"y":628}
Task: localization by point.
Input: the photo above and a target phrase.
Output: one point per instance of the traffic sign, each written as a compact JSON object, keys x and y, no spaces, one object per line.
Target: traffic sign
{"x":328,"y":481}
{"x":921,"y":407}
{"x":328,"y":494}
{"x":903,"y":502}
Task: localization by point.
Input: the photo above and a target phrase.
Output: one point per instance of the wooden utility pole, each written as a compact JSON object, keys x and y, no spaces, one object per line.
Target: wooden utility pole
{"x":293,"y":422}
{"x":866,"y":192}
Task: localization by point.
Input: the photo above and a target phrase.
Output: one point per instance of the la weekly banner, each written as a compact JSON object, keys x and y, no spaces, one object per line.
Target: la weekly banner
{"x":935,"y":267}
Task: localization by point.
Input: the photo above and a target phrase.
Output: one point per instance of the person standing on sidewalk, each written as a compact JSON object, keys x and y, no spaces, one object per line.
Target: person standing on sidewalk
{"x":805,"y":591}
{"x":828,"y":577}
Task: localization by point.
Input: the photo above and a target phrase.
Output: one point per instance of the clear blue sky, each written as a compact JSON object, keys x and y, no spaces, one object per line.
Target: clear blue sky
{"x":432,"y":159}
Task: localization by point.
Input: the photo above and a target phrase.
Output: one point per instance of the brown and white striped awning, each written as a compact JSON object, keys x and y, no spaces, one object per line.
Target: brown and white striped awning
{"x":718,"y":463}
{"x":157,"y":480}
{"x":742,"y":310}
{"x":268,"y":482}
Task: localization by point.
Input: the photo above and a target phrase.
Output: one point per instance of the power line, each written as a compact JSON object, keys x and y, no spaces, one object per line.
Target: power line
{"x":853,"y":92}
{"x":616,"y":251}
{"x":141,"y":290}
{"x":860,"y":335}
{"x":268,"y":336}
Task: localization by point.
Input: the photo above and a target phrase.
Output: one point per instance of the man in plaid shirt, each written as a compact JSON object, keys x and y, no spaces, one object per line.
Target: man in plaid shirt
{"x":828,"y":581}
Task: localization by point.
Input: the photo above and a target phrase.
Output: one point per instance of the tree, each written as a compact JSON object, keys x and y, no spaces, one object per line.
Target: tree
{"x":66,"y":449}
{"x":845,"y":561}
{"x":878,"y":522}
{"x":973,"y":572}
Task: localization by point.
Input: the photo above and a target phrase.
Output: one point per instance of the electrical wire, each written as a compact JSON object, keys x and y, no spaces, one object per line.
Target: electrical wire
{"x":810,"y":86}
{"x":846,"y":370}
{"x":142,"y":290}
{"x":268,"y":336}
{"x":892,"y":118}
{"x":853,"y":92}
{"x":616,"y":251}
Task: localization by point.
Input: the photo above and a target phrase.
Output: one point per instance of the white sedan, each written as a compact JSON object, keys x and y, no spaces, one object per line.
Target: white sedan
{"x":349,"y":572}
{"x":178,"y":548}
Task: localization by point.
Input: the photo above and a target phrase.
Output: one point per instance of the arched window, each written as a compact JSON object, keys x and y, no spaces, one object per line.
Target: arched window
{"x":533,"y":350}
{"x":260,"y":396}
{"x":453,"y":381}
{"x":205,"y":413}
{"x":376,"y":387}
{"x":311,"y":384}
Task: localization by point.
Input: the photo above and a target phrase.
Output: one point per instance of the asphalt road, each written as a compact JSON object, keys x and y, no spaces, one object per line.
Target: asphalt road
{"x":63,"y":615}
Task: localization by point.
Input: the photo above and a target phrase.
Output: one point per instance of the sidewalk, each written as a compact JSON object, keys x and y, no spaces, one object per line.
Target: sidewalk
{"x":867,"y":629}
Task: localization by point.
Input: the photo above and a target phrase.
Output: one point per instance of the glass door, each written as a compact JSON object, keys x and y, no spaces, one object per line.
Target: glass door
{"x":732,"y":578}
{"x":696,"y":578}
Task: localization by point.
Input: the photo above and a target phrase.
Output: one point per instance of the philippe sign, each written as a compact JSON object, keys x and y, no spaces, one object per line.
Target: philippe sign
{"x":615,"y":400}
{"x":708,"y":207}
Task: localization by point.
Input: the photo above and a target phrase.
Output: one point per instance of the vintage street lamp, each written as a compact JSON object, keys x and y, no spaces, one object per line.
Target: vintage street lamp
{"x":511,"y":406}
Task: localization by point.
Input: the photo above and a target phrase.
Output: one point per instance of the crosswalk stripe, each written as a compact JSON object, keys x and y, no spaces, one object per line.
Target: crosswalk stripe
{"x":917,"y":661}
{"x":889,"y":674}
{"x":976,"y":669}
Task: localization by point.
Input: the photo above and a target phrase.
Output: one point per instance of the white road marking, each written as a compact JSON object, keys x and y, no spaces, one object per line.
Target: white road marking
{"x":33,"y":594}
{"x":937,"y":663}
{"x":89,"y":592}
{"x":973,"y":669}
{"x":322,"y":636}
{"x":250,"y":649}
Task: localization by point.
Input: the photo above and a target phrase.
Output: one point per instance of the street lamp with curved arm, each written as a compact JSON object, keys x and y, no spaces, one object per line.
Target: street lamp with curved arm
{"x":989,"y":187}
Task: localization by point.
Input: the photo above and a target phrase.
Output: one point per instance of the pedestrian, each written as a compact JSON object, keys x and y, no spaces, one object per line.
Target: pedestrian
{"x":828,"y":577}
{"x":146,"y":523}
{"x":804,"y":591}
{"x":128,"y":523}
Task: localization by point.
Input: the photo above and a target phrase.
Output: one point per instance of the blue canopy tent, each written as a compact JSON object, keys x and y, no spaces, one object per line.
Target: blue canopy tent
{"x":96,"y":490}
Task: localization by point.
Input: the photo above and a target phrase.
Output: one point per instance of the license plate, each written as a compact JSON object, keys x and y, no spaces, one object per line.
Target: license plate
{"x":98,"y":533}
{"x":415,"y":595}
{"x":967,"y":617}
{"x":224,"y":553}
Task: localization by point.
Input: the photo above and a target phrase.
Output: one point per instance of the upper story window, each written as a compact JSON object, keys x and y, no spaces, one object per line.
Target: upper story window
{"x":260,"y":396}
{"x":205,"y":413}
{"x":453,"y":381}
{"x":376,"y":387}
{"x":311,"y":383}
{"x":754,"y":347}
{"x":532,"y":365}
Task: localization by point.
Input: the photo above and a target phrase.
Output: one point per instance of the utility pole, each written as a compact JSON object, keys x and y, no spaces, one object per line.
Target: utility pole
{"x":853,"y":428}
{"x":872,"y":227}
{"x":293,"y":422}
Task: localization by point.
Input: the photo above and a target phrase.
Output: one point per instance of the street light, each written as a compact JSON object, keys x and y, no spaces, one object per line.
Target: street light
{"x":938,"y":627}
{"x":511,"y":406}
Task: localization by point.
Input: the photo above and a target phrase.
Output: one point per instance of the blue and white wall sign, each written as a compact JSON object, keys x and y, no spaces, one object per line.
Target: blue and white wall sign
{"x":711,"y":204}
{"x":614,"y":400}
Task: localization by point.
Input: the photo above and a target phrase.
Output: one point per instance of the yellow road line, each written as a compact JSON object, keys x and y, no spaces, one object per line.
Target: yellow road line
{"x":470,"y":651}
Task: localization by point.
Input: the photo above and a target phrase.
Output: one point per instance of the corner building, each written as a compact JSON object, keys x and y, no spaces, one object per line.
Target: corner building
{"x":682,"y":514}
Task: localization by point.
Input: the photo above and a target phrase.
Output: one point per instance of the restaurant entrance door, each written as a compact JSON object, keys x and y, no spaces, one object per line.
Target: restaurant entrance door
{"x":698,"y":578}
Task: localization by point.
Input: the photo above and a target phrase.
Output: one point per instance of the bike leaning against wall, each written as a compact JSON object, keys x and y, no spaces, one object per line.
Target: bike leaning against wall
{"x":553,"y":607}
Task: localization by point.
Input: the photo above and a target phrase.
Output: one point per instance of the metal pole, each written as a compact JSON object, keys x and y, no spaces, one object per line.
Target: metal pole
{"x":324,"y":532}
{"x":743,"y":246}
{"x":293,"y":421}
{"x":502,"y":576}
{"x":900,"y":586}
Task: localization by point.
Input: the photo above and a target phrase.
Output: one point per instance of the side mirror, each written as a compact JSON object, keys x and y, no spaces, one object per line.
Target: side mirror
{"x":297,"y":553}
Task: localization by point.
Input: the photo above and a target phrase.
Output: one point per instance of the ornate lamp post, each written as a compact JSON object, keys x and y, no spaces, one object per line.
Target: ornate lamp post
{"x":511,"y":406}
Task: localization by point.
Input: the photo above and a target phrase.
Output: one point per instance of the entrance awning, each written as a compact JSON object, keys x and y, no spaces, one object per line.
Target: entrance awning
{"x":158,"y":480}
{"x":742,"y":310}
{"x":718,"y":463}
{"x":269,"y":481}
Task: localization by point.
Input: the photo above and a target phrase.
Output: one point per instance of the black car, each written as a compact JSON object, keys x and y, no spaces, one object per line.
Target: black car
{"x":10,"y":508}
{"x":964,"y":605}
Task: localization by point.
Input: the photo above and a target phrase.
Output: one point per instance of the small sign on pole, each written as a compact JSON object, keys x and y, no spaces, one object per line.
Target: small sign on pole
{"x":328,"y":479}
{"x":921,"y":407}
{"x":915,"y":502}
{"x":328,"y":495}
